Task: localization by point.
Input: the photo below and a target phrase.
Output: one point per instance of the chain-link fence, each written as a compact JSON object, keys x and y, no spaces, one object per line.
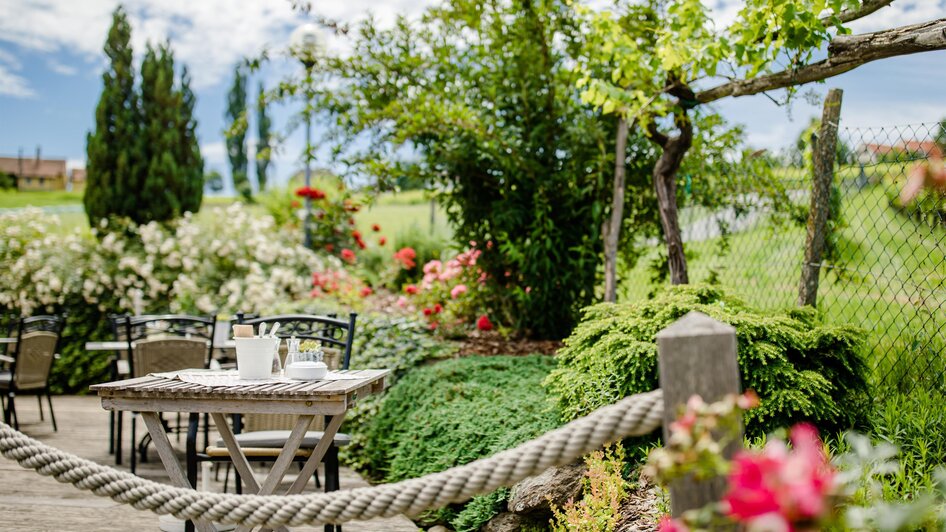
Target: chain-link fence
{"x":884,"y":267}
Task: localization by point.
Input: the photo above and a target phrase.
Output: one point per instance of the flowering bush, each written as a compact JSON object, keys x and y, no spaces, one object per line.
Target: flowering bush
{"x":781,"y":487}
{"x":447,"y":295}
{"x":236,"y":261}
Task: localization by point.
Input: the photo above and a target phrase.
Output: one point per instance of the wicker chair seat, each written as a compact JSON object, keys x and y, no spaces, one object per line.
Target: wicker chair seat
{"x":273,"y":441}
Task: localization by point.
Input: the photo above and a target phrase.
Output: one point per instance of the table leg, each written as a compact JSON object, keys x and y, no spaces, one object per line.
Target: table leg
{"x":163,"y":445}
{"x":328,"y":437}
{"x":280,"y":467}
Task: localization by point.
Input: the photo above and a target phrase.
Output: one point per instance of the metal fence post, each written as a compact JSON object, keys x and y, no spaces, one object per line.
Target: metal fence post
{"x":697,"y":356}
{"x":823,"y":155}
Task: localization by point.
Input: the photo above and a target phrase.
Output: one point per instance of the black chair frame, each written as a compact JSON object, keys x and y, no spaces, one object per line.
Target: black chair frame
{"x":47,"y":323}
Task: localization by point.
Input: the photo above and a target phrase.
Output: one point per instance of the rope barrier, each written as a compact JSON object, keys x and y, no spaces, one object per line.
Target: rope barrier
{"x":635,"y":415}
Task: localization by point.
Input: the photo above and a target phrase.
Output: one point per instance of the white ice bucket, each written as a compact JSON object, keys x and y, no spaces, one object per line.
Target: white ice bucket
{"x":255,"y":357}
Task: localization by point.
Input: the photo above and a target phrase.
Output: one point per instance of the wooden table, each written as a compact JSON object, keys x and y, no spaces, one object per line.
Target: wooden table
{"x":123,"y":346}
{"x":152,"y":395}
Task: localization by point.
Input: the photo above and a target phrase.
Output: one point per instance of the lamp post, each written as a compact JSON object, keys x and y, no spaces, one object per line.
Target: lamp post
{"x":306,"y":44}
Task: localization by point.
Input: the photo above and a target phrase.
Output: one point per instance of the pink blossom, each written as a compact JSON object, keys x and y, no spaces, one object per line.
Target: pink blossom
{"x":671,"y":525}
{"x":402,"y":302}
{"x":792,"y":484}
{"x":458,"y":291}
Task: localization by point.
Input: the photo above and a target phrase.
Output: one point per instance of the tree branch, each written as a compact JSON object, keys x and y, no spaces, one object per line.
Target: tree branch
{"x":868,"y":7}
{"x":845,"y":52}
{"x":655,"y":134}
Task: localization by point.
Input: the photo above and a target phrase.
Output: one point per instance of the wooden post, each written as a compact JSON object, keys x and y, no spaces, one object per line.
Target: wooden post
{"x":697,"y":356}
{"x":822,"y":154}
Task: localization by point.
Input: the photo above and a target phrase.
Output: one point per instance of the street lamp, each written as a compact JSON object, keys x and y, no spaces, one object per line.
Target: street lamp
{"x":306,"y":44}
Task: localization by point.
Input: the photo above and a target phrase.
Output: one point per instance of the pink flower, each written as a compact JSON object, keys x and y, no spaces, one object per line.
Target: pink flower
{"x":366,"y":291}
{"x":348,"y":255}
{"x":792,"y":484}
{"x":402,"y":302}
{"x":484,"y":324}
{"x":671,"y":525}
{"x":406,"y":257}
{"x":458,"y":291}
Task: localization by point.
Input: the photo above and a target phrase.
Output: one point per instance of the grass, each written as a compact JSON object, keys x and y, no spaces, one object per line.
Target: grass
{"x":890,"y":281}
{"x":12,"y":199}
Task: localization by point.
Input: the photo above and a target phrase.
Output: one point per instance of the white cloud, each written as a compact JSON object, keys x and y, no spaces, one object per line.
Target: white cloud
{"x":210,"y":36}
{"x":214,"y":153}
{"x":13,"y":84}
{"x":59,"y":68}
{"x":72,"y":164}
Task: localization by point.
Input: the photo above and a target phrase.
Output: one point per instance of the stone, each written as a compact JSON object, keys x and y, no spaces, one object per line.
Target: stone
{"x":556,"y":485}
{"x":504,"y":522}
{"x":438,"y":528}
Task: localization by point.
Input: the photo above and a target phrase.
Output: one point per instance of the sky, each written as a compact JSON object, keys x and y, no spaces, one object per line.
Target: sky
{"x":51,"y":63}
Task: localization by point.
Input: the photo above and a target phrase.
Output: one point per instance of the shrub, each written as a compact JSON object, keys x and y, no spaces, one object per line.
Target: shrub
{"x":452,"y":413}
{"x":801,"y":370}
{"x":603,"y":490}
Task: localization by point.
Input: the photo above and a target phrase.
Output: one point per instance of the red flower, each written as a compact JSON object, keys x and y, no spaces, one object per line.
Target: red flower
{"x":348,"y":255}
{"x":375,"y":227}
{"x":438,"y":308}
{"x":366,"y":291}
{"x":295,"y":204}
{"x":382,"y":241}
{"x":356,"y":235}
{"x":433,"y":326}
{"x":428,"y":311}
{"x":330,"y":247}
{"x":406,"y":257}
{"x":310,"y":192}
{"x":361,"y":243}
{"x":411,"y":289}
{"x":484,"y":324}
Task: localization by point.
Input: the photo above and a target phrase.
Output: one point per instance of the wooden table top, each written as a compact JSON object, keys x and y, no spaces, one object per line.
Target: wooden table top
{"x":150,"y":387}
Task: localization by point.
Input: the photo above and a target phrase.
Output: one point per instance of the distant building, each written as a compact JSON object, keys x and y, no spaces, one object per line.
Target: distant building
{"x":35,"y":173}
{"x":76,"y":179}
{"x":904,"y":151}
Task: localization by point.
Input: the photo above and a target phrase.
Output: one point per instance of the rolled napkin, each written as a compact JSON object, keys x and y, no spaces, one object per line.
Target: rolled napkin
{"x":242,"y":331}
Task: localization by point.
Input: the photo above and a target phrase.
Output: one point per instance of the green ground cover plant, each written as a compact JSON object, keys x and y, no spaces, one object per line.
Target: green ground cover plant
{"x":801,"y":369}
{"x":452,"y":413}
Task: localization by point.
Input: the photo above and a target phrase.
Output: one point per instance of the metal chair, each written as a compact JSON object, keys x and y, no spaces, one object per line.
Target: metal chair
{"x":37,"y":343}
{"x":161,"y":343}
{"x":266,"y":435}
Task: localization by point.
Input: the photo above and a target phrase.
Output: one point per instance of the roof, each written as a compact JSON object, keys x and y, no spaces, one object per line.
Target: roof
{"x":32,"y":167}
{"x":928,"y":147}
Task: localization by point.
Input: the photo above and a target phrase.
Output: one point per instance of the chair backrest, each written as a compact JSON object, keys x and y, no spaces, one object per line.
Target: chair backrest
{"x":333,"y":332}
{"x":168,"y":342}
{"x":37,"y":342}
{"x":158,"y":355}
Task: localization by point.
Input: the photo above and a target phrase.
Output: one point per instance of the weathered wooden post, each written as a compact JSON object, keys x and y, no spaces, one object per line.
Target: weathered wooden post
{"x":697,"y":356}
{"x":823,"y":154}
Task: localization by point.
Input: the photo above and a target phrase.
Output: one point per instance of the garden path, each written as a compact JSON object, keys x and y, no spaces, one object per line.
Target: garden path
{"x":30,"y":502}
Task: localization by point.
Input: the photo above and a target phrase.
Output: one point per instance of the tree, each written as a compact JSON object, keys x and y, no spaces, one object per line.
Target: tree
{"x":190,"y":161}
{"x":264,"y":139}
{"x":160,"y":108}
{"x":111,"y":158}
{"x":236,"y":134}
{"x":659,"y":86}
{"x":479,"y":98}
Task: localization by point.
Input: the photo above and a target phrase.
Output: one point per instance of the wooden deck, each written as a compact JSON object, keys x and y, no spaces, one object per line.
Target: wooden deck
{"x":30,"y":502}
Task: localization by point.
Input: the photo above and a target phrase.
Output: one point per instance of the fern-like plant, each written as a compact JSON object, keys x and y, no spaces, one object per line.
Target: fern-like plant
{"x":801,"y":369}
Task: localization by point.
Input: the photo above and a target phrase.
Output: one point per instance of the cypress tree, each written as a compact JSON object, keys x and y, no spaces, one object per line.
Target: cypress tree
{"x":160,"y":191}
{"x":111,"y":158}
{"x":190,"y":162}
{"x":236,"y":134}
{"x":264,"y":139}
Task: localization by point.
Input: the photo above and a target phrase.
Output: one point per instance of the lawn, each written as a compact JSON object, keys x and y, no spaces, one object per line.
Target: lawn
{"x":11,"y":199}
{"x":889,"y":281}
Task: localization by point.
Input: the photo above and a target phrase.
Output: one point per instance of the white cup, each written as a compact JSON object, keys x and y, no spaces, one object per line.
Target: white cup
{"x":255,"y":357}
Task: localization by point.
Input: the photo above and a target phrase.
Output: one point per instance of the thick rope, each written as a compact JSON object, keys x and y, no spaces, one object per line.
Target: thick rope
{"x":633,"y":416}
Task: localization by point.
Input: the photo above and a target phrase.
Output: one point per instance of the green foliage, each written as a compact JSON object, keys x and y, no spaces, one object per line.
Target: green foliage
{"x":264,"y":139}
{"x":483,"y":95}
{"x":802,"y":370}
{"x":112,"y":160}
{"x":454,"y":412}
{"x":386,"y":342}
{"x":7,"y":181}
{"x":236,"y":134}
{"x":213,"y":181}
{"x":603,"y":491}
{"x":144,"y":160}
{"x":479,"y":510}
